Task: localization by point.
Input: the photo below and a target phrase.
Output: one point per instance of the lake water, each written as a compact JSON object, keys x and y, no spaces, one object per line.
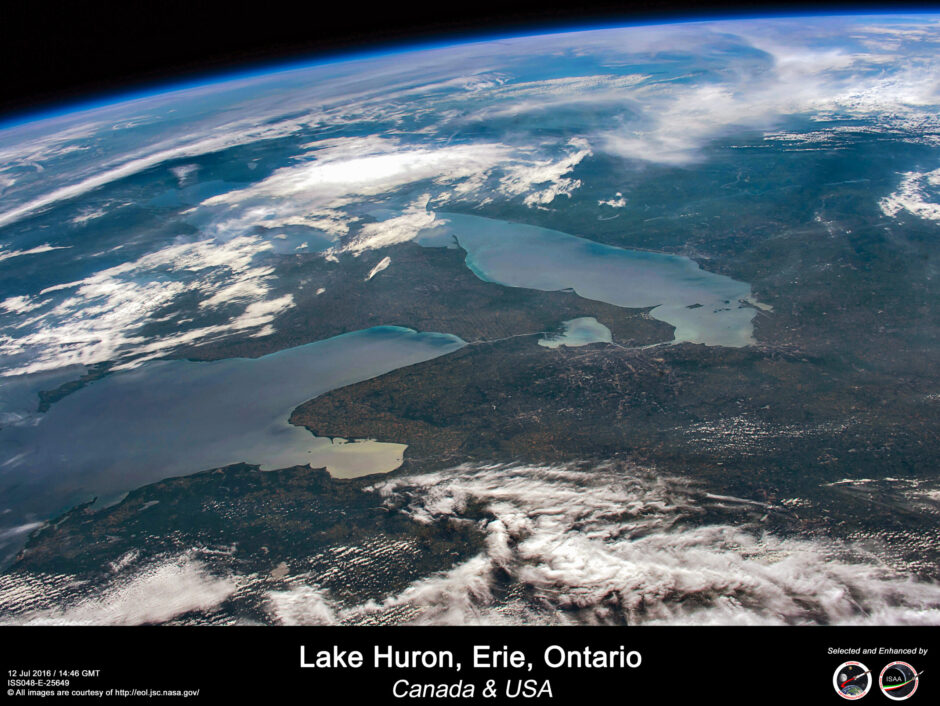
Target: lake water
{"x":171,"y":418}
{"x":704,"y":307}
{"x":578,"y":332}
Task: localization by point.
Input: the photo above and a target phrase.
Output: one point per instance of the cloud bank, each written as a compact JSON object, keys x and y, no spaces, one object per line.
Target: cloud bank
{"x":597,"y":546}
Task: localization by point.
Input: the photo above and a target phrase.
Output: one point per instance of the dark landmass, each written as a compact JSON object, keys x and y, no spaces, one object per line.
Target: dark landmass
{"x":832,"y":419}
{"x":250,"y":522}
{"x":425,"y":289}
{"x":748,"y":422}
{"x":49,"y":397}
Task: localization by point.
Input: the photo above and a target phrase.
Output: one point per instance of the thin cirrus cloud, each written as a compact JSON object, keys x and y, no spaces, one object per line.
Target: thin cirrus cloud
{"x":45,"y":247}
{"x":136,"y":164}
{"x":754,"y":76}
{"x":678,"y":121}
{"x":760,"y":76}
{"x":103,"y":316}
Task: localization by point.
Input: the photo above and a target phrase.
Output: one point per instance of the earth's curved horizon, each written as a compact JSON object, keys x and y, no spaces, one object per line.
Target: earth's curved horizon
{"x":612,"y":325}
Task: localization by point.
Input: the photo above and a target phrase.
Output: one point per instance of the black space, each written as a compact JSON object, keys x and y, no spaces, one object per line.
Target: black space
{"x":53,"y":51}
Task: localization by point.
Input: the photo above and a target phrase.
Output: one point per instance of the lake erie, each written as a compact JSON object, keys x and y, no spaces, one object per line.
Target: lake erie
{"x":175,"y":417}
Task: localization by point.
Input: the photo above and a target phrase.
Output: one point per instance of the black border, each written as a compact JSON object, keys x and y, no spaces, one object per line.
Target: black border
{"x":55,"y":52}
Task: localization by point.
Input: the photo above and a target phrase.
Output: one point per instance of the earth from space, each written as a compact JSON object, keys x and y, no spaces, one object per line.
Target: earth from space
{"x":616,"y":326}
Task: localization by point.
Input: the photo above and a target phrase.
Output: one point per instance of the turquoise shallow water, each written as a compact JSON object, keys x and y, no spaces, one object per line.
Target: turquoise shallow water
{"x":704,"y":307}
{"x":169,"y":418}
{"x":578,"y":332}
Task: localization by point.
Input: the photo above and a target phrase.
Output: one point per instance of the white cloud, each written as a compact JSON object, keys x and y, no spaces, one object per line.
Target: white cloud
{"x":343,"y":172}
{"x":676,"y":119}
{"x":34,"y":151}
{"x":251,"y":288}
{"x":183,"y":173}
{"x":618,"y":201}
{"x":662,"y":118}
{"x":355,"y":167}
{"x":19,"y":305}
{"x":8,"y":532}
{"x":102,"y":317}
{"x":518,"y":98}
{"x":224,"y":137}
{"x":303,"y":605}
{"x":392,"y":231}
{"x":336,"y":183}
{"x":522,"y":178}
{"x":380,"y":265}
{"x":346,"y":171}
{"x":914,"y":195}
{"x":157,"y":594}
{"x":606,"y":545}
{"x":88,"y":214}
{"x":7,"y":254}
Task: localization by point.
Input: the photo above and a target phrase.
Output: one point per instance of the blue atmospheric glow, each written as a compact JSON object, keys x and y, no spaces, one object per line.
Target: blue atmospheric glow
{"x":388,"y":49}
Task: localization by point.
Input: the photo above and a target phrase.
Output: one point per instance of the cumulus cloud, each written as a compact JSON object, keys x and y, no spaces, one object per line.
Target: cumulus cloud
{"x":342,"y":172}
{"x":364,"y":166}
{"x":618,"y":201}
{"x":345,"y":171}
{"x":101,"y":317}
{"x":755,"y":73}
{"x":548,"y":174}
{"x":574,"y":544}
{"x":600,"y":545}
{"x":304,"y":605}
{"x":19,"y":305}
{"x":918,"y":194}
{"x":391,"y":231}
{"x":416,"y":131}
